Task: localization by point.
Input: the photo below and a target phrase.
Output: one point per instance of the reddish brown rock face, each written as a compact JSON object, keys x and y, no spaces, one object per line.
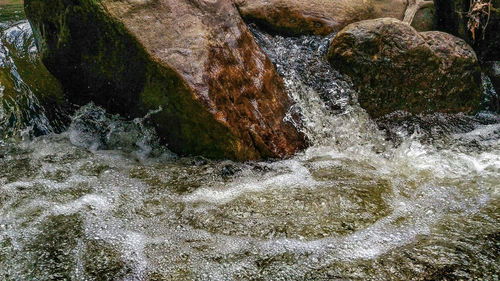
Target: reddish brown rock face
{"x":220,"y":94}
{"x":250,"y":97}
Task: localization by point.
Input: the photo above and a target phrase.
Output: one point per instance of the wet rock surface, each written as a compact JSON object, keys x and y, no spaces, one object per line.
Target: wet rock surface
{"x":396,"y":68}
{"x":196,"y":60}
{"x":318,"y":17}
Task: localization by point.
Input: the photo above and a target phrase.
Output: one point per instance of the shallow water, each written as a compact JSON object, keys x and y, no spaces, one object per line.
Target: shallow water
{"x":399,"y":199}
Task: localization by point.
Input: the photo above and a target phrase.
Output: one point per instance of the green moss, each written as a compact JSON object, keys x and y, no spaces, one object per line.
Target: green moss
{"x":425,"y":19}
{"x":187,"y":126}
{"x":410,"y":79}
{"x":12,"y":11}
{"x":78,"y":42}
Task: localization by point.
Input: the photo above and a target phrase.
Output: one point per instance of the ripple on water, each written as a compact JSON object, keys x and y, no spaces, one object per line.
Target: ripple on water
{"x":103,"y":201}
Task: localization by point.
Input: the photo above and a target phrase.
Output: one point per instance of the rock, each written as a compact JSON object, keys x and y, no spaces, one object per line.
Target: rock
{"x":195,"y":59}
{"x":452,"y":18}
{"x":425,"y":19}
{"x":26,"y":87}
{"x":395,"y":67}
{"x":319,"y":17}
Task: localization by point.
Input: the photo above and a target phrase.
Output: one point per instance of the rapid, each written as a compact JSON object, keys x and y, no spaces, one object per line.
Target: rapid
{"x":400,"y":198}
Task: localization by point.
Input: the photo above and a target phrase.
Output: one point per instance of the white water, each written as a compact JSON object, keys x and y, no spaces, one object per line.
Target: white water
{"x":103,"y":201}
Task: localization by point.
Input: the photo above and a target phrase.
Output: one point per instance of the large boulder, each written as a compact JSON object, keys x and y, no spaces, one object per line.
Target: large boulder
{"x":195,"y":59}
{"x":395,"y":67}
{"x":319,"y":17}
{"x":453,"y":18}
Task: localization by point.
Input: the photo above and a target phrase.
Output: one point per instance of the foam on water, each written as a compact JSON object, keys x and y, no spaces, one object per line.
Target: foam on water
{"x":105,"y":201}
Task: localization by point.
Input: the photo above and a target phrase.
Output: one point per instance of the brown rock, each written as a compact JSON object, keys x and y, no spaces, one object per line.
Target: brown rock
{"x":319,"y":17}
{"x":396,"y":68}
{"x":220,"y":94}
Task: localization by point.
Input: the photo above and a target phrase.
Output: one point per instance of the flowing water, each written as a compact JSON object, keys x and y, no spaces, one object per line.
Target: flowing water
{"x":403,"y":198}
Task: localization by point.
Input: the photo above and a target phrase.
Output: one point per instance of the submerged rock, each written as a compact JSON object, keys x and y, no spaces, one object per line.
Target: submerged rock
{"x":318,"y":17}
{"x":453,"y":18}
{"x":395,"y":67}
{"x":219,"y":93}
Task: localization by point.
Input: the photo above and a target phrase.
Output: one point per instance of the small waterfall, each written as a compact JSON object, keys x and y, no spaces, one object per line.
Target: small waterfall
{"x":491,"y":101}
{"x":326,"y":102}
{"x":20,"y":111}
{"x":403,"y":197}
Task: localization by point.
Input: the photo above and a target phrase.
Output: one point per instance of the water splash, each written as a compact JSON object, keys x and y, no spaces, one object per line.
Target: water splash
{"x":94,"y":129}
{"x":324,"y":99}
{"x":20,"y":111}
{"x":81,"y":206}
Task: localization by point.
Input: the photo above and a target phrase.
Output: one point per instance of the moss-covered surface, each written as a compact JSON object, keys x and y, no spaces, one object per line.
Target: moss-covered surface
{"x":96,"y":58}
{"x":425,"y":19}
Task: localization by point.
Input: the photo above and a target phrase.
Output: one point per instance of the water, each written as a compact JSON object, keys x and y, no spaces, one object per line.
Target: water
{"x":21,"y":113}
{"x":402,"y":198}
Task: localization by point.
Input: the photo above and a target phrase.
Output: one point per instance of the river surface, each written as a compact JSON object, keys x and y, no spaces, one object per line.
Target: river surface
{"x":401,"y":198}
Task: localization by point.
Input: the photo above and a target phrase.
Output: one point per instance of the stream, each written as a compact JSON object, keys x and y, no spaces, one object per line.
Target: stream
{"x":400,"y":198}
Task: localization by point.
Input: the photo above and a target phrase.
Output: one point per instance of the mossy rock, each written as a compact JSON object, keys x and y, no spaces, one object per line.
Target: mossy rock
{"x":219,"y":94}
{"x":395,"y":68}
